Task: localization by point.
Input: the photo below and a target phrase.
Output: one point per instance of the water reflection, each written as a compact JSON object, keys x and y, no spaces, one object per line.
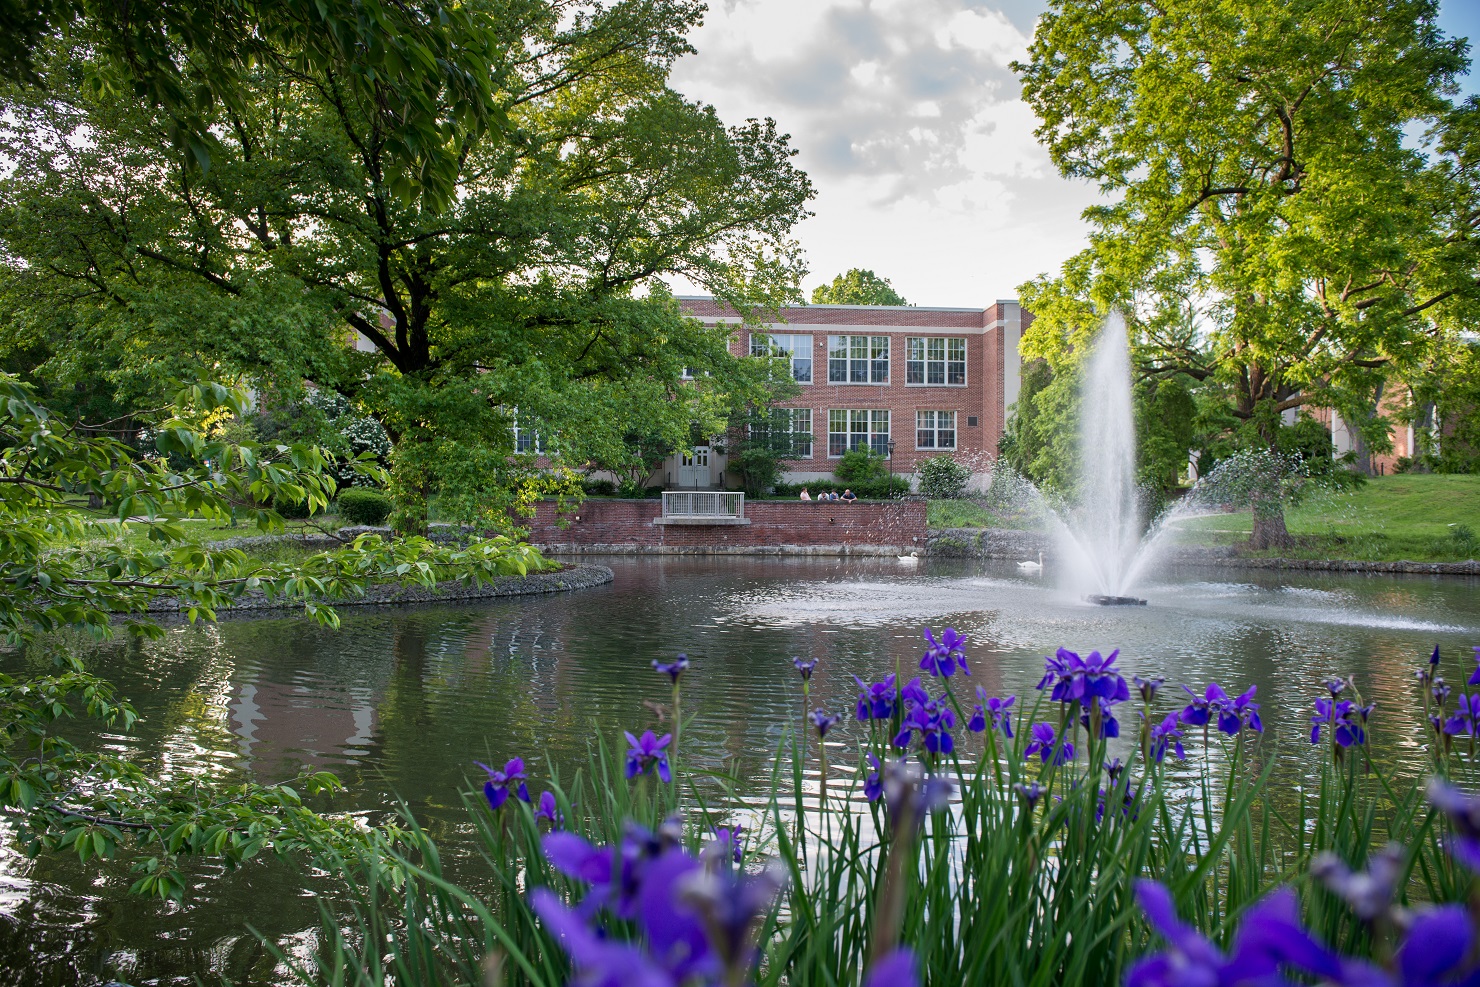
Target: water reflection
{"x":400,"y":702}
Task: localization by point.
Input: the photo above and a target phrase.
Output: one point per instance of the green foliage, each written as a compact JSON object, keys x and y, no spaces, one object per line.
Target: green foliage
{"x":942,"y":476}
{"x":857,"y":286}
{"x":1040,"y":441}
{"x":360,"y":506}
{"x":992,"y":891}
{"x":1272,"y":234}
{"x":64,"y":569}
{"x":862,"y":465}
{"x":1165,"y":428}
{"x":512,"y":268}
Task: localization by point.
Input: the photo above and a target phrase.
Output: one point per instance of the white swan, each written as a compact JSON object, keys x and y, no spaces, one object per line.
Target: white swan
{"x":910,"y":559}
{"x":1030,"y":565}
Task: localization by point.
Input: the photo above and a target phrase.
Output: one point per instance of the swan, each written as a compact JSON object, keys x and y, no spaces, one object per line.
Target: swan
{"x":910,"y":559}
{"x":1030,"y":565}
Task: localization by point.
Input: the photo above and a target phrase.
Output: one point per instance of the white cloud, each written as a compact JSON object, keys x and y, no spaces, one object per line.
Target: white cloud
{"x":908,"y":119}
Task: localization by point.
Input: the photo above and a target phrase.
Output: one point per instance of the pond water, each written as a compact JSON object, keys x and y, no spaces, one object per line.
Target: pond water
{"x":400,"y":702}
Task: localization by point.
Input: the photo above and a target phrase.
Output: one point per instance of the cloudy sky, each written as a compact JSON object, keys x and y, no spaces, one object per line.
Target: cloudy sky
{"x":908,"y":119}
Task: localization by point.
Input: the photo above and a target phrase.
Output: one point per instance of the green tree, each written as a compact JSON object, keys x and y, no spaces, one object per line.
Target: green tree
{"x":522,"y":275}
{"x":1165,"y":430}
{"x":1040,"y":441}
{"x":857,"y":287}
{"x":1270,"y":228}
{"x":66,"y":569}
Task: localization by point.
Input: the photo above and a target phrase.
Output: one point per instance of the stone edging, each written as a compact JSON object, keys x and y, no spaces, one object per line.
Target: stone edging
{"x":1002,"y":543}
{"x":572,"y":577}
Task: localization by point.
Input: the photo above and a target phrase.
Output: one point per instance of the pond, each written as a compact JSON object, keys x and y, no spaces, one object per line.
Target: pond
{"x":400,"y":702}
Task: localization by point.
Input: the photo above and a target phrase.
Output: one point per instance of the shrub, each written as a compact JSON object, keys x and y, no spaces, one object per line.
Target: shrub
{"x":361,"y":505}
{"x":887,"y":488}
{"x":632,"y":489}
{"x":862,"y":466}
{"x":291,"y":511}
{"x":941,"y":477}
{"x":599,"y":488}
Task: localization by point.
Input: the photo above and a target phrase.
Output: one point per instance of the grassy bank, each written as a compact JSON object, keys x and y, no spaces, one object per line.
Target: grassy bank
{"x":1390,"y":518}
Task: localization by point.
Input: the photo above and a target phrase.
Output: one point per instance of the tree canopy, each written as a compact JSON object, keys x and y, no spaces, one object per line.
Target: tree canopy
{"x":513,"y":271}
{"x":857,"y":286}
{"x":1294,"y":194}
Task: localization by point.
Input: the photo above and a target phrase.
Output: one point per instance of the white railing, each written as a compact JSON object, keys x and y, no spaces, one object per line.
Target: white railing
{"x":703,"y":503}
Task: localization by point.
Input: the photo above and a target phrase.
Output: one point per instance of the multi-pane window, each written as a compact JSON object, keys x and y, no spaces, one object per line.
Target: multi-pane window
{"x":860,"y":428}
{"x":795,"y":424}
{"x":527,"y":440}
{"x":858,"y":359}
{"x":797,"y":348}
{"x":935,"y":360}
{"x":935,"y":430}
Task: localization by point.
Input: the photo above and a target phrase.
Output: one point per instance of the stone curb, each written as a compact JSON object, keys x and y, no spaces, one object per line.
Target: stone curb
{"x":1003,"y":543}
{"x":572,"y":577}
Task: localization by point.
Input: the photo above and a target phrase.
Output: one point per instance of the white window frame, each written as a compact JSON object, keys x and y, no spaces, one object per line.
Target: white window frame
{"x":932,"y":424}
{"x":799,"y":422}
{"x":796,"y":347}
{"x":929,"y":361}
{"x":527,"y":435}
{"x":854,"y":436}
{"x":858,"y":359}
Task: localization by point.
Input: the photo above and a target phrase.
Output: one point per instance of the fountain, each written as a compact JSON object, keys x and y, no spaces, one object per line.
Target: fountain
{"x":1100,"y":544}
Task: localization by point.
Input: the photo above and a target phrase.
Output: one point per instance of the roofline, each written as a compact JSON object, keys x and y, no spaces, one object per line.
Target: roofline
{"x":866,"y":308}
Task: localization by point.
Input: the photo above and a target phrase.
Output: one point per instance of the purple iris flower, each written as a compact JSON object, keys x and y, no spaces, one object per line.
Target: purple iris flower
{"x":1341,"y":721}
{"x":674,"y":668}
{"x":1463,"y":812}
{"x":649,"y":890}
{"x":1270,"y":936}
{"x":1426,"y":675}
{"x":1044,"y":745}
{"x":942,"y":656}
{"x":896,"y":968}
{"x":647,"y":752}
{"x":823,"y":722}
{"x":731,"y":838}
{"x":1203,"y":708}
{"x":1029,"y":793}
{"x":1239,"y":713}
{"x":877,"y":700}
{"x":1148,"y":687}
{"x":997,"y":711}
{"x":1441,"y":692}
{"x":549,"y":810}
{"x":1113,"y":769}
{"x":1368,"y":894}
{"x":1075,"y":678}
{"x":910,"y":793}
{"x":914,"y":692}
{"x":1109,"y":725}
{"x":934,"y":721}
{"x":804,"y":667}
{"x":730,"y":904}
{"x":873,"y":785}
{"x":1466,"y":718}
{"x":1166,"y":734}
{"x":501,"y":784}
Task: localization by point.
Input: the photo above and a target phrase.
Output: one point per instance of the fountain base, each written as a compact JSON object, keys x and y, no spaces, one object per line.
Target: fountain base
{"x":1114,"y":601}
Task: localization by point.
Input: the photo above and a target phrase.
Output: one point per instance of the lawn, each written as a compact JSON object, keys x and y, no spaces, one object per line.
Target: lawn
{"x":1413,"y":517}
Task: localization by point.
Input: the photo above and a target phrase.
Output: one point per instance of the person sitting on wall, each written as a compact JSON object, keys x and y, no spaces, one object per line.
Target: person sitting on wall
{"x":805,"y":495}
{"x":832,"y":495}
{"x":849,"y":495}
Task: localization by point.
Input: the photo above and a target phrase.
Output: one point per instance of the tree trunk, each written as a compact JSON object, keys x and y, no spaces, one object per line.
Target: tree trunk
{"x":1269,"y":529}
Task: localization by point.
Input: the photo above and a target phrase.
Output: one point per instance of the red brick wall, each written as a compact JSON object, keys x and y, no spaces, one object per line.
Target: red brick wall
{"x":978,"y":397}
{"x":773,"y":523}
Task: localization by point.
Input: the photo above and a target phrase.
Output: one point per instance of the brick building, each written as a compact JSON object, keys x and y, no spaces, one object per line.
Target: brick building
{"x":907,"y":381}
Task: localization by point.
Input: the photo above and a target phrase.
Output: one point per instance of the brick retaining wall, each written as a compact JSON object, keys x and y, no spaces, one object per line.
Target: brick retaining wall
{"x":776,"y":526}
